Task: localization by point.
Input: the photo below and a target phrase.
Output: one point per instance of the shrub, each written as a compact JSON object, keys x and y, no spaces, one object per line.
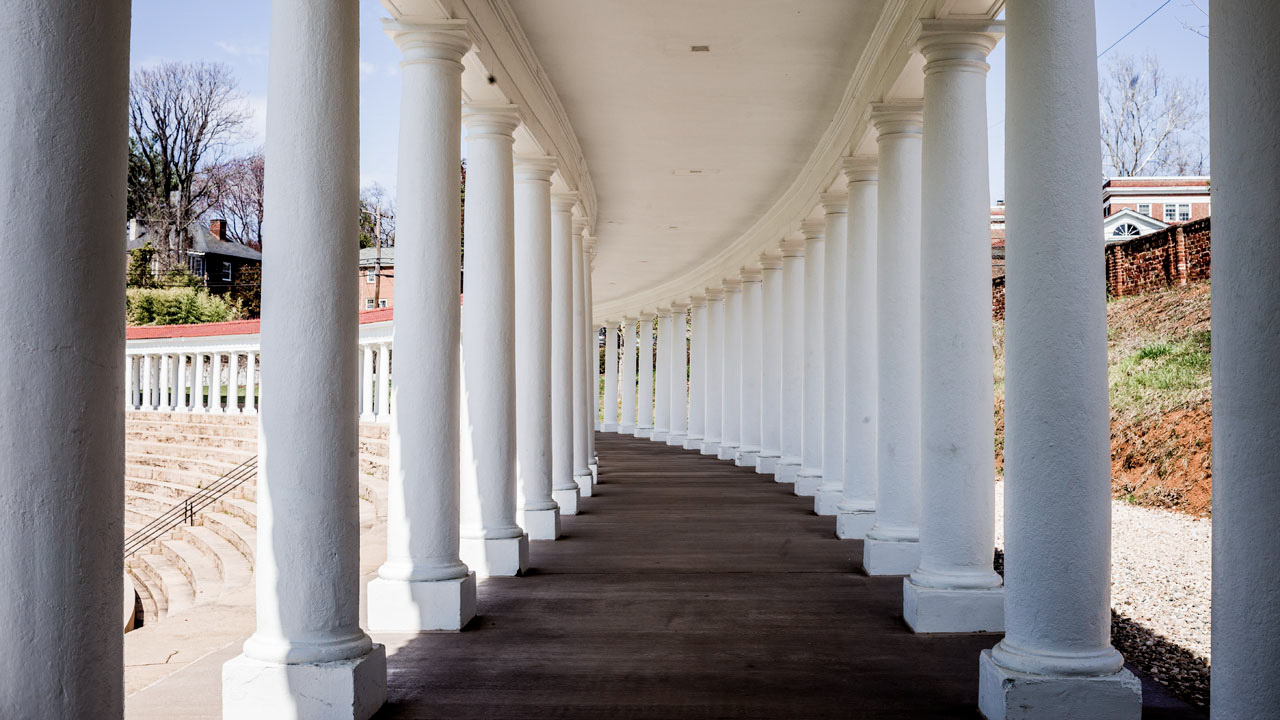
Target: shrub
{"x":177,"y":306}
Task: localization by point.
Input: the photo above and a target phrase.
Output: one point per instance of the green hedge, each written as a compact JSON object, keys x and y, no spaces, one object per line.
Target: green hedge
{"x":177,"y":306}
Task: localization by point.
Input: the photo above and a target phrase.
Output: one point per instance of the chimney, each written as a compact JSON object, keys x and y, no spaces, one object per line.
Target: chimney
{"x":219,"y":229}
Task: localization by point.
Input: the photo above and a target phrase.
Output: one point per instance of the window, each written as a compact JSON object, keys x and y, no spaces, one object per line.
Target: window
{"x":195,"y":263}
{"x":370,"y":276}
{"x":1170,"y":212}
{"x":1145,"y":208}
{"x":368,"y":303}
{"x":226,"y":272}
{"x":382,"y":302}
{"x":1184,"y":212}
{"x":1126,"y":230}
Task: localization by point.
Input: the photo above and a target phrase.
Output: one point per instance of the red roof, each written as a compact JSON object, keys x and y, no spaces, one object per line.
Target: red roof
{"x":234,"y":327}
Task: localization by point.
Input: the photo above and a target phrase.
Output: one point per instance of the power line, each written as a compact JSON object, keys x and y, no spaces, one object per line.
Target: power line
{"x":1135,"y":27}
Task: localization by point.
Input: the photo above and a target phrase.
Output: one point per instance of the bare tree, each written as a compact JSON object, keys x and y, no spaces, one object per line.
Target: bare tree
{"x":182,"y":118}
{"x":1150,"y":121}
{"x":1200,"y":25}
{"x":239,"y":197}
{"x":377,"y":217}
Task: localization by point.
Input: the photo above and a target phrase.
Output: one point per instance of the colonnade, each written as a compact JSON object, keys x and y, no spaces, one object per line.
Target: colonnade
{"x":193,"y":382}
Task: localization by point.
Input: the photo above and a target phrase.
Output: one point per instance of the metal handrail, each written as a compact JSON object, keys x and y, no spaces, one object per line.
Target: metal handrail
{"x":184,"y":512}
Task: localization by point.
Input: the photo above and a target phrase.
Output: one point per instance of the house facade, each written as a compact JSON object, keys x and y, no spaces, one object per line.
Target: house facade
{"x":211,"y":257}
{"x":377,"y":278}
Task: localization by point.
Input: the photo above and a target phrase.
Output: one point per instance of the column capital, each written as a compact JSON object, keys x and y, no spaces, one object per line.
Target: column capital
{"x":731,"y":285}
{"x":534,"y":168}
{"x":899,"y":117}
{"x":580,"y":224}
{"x":664,"y":312}
{"x":751,"y":275}
{"x":714,"y":294}
{"x":814,"y":228}
{"x":834,"y":203}
{"x":494,"y":120}
{"x":628,"y":319}
{"x":861,"y":168}
{"x":697,"y":301}
{"x":771,"y":260}
{"x":443,"y":41}
{"x":792,"y":245}
{"x":679,"y":307}
{"x":958,"y":45}
{"x":564,"y":200}
{"x":645,"y":316}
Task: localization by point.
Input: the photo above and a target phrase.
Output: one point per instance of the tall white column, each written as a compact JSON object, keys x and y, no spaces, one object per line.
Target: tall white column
{"x":1056,"y":658}
{"x":564,"y":488}
{"x":582,"y":421}
{"x":892,"y":545}
{"x":593,"y":356}
{"x":424,"y":585}
{"x":165,"y":382}
{"x":491,"y":541}
{"x":831,"y":490}
{"x":1243,"y":69}
{"x":662,"y":378}
{"x":750,"y":381}
{"x":857,"y":508}
{"x":678,"y":374}
{"x":627,"y":426}
{"x":713,"y":392}
{"x":367,"y":370}
{"x":610,"y":402}
{"x":308,"y":656}
{"x":810,"y":474}
{"x":955,"y":588}
{"x":731,"y":392}
{"x":538,"y":513}
{"x":199,"y":385}
{"x":697,"y":373}
{"x":644,"y":401}
{"x":792,"y":374}
{"x":62,"y":134}
{"x":383,"y":392}
{"x":770,"y":364}
{"x":131,"y":382}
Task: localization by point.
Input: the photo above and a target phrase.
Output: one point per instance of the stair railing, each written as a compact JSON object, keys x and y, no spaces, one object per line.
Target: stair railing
{"x":184,"y":511}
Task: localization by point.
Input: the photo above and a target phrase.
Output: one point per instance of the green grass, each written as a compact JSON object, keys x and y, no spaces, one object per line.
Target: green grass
{"x":1161,"y":375}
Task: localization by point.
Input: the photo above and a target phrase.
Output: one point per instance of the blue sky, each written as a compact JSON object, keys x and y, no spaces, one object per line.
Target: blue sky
{"x":236,"y":32}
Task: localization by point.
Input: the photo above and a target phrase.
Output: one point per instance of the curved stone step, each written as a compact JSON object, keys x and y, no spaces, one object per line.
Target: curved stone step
{"x":201,"y":573}
{"x":233,"y":567}
{"x":168,"y":584}
{"x":150,"y":610}
{"x":213,"y":450}
{"x":212,"y":469}
{"x":234,"y":530}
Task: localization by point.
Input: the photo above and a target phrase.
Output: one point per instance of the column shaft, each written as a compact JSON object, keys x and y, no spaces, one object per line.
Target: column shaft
{"x":644,"y":402}
{"x":366,"y":382}
{"x":662,"y":379}
{"x":749,"y":420}
{"x":383,"y":393}
{"x":791,"y":404}
{"x":731,"y":394}
{"x":697,"y":373}
{"x":564,"y":486}
{"x":678,"y":375}
{"x":770,"y":365}
{"x":582,"y":422}
{"x":198,"y":402}
{"x":810,"y":474}
{"x":610,"y":402}
{"x":215,"y":383}
{"x":714,"y":373}
{"x":627,"y":426}
{"x":831,"y":490}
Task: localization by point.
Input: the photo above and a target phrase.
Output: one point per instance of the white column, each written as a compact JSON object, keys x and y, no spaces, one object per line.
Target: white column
{"x":539,"y":514}
{"x":383,"y":392}
{"x":1056,"y":658}
{"x":662,"y":377}
{"x":955,"y":588}
{"x":62,"y":134}
{"x":678,"y":374}
{"x":770,"y":364}
{"x":892,"y":545}
{"x":792,"y":375}
{"x":697,"y":373}
{"x":597,"y":375}
{"x":233,"y":383}
{"x":131,"y":382}
{"x":198,"y":385}
{"x":610,"y":402}
{"x":857,"y":508}
{"x":831,"y":490}
{"x":366,"y":382}
{"x":813,"y":408}
{"x":713,"y":425}
{"x":592,"y":349}
{"x":627,"y":426}
{"x":1243,"y":70}
{"x":424,"y":585}
{"x":582,"y":422}
{"x":148,"y":375}
{"x":644,"y":401}
{"x":308,"y":656}
{"x":731,"y":392}
{"x":749,"y":380}
{"x":492,"y":542}
{"x":215,"y":383}
{"x":166,"y":382}
{"x":564,"y":488}
{"x":251,"y":383}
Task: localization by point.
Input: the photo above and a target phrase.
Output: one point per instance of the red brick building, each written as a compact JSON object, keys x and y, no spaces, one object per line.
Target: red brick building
{"x":377,"y":278}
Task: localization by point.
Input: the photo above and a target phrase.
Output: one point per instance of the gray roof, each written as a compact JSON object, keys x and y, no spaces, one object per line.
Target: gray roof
{"x":202,"y":241}
{"x":369,"y":255}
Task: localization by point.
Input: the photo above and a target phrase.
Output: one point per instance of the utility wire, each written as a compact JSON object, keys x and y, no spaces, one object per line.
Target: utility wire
{"x":1134,"y":28}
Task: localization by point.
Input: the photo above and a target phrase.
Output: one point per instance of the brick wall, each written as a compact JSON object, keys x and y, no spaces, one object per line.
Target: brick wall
{"x":1174,"y":256}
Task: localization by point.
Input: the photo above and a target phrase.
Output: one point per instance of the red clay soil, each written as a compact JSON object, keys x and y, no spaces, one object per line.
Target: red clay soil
{"x":1168,"y":464}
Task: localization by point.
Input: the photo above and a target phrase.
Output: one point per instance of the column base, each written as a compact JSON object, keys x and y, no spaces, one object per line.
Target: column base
{"x":364,"y":417}
{"x":807,"y":483}
{"x":827,"y":502}
{"x":786,"y":471}
{"x":609,"y":427}
{"x":584,"y":483}
{"x":598,"y":426}
{"x":890,"y":557}
{"x":643,"y":432}
{"x":727,"y":452}
{"x":625,"y":429}
{"x":567,"y":500}
{"x":1005,"y":694}
{"x":542,"y":524}
{"x":944,"y":610}
{"x":692,"y":443}
{"x":658,"y":435}
{"x":746,"y":458}
{"x":855,"y":525}
{"x":710,"y":447}
{"x":677,"y":439}
{"x":412,"y":607}
{"x":496,"y":557}
{"x":595,"y":473}
{"x":766,"y":464}
{"x":353,"y":688}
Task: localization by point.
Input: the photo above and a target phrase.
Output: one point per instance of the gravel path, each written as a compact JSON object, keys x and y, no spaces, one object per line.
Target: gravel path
{"x":1160,"y":571}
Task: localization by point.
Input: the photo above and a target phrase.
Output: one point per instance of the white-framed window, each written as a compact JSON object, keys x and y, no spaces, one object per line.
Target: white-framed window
{"x":1126,"y":230}
{"x":1170,"y":212}
{"x":368,"y":303}
{"x":371,"y":276}
{"x":1184,"y":212}
{"x":226,"y":271}
{"x":1145,"y":209}
{"x":382,"y":302}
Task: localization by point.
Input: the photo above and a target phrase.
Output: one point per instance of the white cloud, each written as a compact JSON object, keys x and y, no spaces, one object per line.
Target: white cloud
{"x":250,"y":52}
